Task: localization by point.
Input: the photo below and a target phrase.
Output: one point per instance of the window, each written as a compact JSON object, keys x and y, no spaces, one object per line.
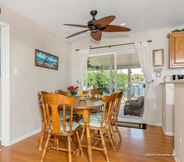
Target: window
{"x":101,"y":62}
{"x":100,"y":72}
{"x":116,"y":72}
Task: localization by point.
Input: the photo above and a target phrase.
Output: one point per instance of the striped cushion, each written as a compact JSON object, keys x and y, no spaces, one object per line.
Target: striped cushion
{"x":95,"y":120}
{"x":96,"y":116}
{"x":75,"y":125}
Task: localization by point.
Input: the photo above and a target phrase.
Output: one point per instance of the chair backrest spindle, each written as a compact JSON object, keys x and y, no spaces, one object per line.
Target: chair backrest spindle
{"x":108,"y":108}
{"x":116,"y":104}
{"x":44,"y":113}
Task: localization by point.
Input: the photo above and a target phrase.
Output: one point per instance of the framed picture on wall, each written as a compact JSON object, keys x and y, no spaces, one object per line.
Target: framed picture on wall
{"x":158,"y":57}
{"x":46,"y":60}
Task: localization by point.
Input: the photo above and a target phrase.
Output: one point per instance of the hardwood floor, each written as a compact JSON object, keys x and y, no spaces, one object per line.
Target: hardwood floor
{"x":135,"y":146}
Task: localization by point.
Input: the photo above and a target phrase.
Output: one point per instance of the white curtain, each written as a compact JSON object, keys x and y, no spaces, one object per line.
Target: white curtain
{"x":79,"y":66}
{"x":84,"y":54}
{"x":150,"y":104}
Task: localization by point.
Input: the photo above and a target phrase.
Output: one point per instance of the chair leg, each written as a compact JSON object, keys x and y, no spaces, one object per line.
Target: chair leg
{"x":79,"y":143}
{"x":88,"y":135}
{"x":57,"y":143}
{"x":110,"y":138}
{"x":119,"y":134}
{"x":104,"y":145}
{"x":112,"y":133}
{"x":45,"y":147}
{"x":41,"y":141}
{"x":114,"y":130}
{"x":69,"y":149}
{"x":82,"y":135}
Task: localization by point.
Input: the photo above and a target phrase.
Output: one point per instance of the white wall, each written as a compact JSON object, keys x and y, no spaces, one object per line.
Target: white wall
{"x":26,"y":78}
{"x":159,"y":40}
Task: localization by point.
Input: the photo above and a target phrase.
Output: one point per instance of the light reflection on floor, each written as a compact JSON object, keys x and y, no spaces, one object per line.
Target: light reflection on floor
{"x":137,"y":134}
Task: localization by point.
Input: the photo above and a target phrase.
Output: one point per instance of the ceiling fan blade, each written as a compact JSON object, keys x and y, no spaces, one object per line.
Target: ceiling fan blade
{"x":83,"y":31}
{"x":96,"y":35}
{"x":105,"y":21}
{"x":76,"y":25}
{"x":115,"y":28}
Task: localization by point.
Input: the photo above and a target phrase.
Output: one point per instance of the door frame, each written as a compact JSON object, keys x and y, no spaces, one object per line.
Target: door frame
{"x":5,"y":83}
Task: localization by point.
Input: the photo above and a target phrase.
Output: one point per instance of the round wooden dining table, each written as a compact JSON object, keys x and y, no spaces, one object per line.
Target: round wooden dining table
{"x":85,"y":107}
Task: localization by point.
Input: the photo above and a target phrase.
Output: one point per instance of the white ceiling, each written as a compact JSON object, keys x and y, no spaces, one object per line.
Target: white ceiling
{"x":139,"y":15}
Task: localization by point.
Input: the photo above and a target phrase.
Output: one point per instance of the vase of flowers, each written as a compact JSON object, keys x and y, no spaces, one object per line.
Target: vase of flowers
{"x":73,"y":90}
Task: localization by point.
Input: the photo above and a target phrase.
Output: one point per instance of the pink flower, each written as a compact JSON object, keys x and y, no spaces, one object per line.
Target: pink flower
{"x":72,"y":88}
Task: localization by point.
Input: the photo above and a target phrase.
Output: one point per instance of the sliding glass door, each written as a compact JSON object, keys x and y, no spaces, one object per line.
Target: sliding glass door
{"x":111,"y":72}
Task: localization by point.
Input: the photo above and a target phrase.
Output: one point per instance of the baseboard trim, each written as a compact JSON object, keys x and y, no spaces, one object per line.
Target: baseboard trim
{"x":169,"y":133}
{"x":154,"y":124}
{"x":27,"y":135}
{"x":176,"y":159}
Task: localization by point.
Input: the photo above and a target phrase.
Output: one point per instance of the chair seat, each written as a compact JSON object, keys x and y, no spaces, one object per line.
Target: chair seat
{"x":96,"y":116}
{"x":75,"y":125}
{"x":95,"y":120}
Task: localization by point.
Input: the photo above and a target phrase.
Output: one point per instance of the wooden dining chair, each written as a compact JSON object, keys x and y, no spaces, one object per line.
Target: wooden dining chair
{"x":117,"y":97}
{"x":59,"y":128}
{"x":108,"y":116}
{"x":101,"y":123}
{"x":44,"y":119}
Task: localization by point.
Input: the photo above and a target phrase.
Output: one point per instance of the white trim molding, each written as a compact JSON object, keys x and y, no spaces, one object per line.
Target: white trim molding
{"x":154,"y":124}
{"x":5,"y":84}
{"x":168,"y":133}
{"x":176,"y":159}
{"x":27,"y":135}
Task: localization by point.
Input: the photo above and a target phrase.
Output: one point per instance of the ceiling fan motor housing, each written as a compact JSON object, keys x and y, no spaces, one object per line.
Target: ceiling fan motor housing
{"x":92,"y":23}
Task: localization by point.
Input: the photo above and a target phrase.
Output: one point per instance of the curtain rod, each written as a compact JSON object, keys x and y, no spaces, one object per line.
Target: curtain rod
{"x":112,"y":45}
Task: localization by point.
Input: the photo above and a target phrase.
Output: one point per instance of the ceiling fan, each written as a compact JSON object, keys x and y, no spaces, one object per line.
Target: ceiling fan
{"x":96,"y":27}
